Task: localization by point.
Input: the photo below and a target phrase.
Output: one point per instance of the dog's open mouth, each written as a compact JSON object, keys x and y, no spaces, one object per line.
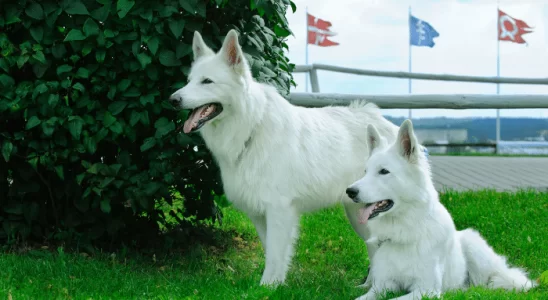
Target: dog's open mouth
{"x":200,"y":115}
{"x":374,"y":209}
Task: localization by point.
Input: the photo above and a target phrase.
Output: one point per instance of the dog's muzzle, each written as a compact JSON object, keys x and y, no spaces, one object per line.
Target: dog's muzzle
{"x":175,"y":99}
{"x":353,"y":194}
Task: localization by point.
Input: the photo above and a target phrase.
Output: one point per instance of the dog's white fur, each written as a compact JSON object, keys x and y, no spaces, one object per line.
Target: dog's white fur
{"x":420,"y":251}
{"x":277,"y":160}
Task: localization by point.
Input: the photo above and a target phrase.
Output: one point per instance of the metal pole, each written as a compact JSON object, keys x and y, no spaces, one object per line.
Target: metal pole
{"x":306,"y":49}
{"x":498,"y":84}
{"x":409,"y":85}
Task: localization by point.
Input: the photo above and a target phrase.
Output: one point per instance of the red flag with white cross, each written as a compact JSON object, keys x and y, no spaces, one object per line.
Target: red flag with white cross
{"x":318,"y":32}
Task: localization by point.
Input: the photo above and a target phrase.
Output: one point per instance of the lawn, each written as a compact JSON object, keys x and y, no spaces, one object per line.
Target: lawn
{"x":330,"y":261}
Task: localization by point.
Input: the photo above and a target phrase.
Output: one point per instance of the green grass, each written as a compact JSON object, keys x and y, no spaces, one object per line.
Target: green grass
{"x":330,"y":259}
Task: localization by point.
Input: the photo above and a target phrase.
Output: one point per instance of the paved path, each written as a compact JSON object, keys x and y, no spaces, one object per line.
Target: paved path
{"x":500,"y":173}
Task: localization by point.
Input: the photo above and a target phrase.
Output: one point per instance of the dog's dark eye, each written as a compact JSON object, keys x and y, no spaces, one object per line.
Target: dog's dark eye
{"x":365,"y":171}
{"x":384,"y":172}
{"x":207,"y":81}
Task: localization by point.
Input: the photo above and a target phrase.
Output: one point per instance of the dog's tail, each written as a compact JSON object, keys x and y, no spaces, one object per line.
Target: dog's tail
{"x":361,"y":103}
{"x":487,"y":268}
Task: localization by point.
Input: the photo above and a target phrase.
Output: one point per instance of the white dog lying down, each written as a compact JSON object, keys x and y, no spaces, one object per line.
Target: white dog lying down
{"x":420,"y":251}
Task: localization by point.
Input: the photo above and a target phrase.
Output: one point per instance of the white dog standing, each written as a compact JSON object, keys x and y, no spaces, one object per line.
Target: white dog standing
{"x":420,"y":251}
{"x":277,"y":160}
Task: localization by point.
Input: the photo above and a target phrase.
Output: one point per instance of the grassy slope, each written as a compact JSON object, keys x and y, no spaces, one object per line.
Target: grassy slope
{"x":329,"y":262}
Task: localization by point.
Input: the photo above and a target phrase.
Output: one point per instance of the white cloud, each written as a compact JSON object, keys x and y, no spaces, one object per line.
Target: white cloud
{"x":373,"y":34}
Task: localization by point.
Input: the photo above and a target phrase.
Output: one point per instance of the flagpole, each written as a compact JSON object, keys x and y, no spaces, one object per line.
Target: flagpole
{"x":497,"y":137}
{"x":306,"y":49}
{"x":409,"y":85}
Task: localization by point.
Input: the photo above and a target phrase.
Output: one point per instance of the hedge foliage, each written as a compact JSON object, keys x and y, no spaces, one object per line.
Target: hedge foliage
{"x":90,"y":148}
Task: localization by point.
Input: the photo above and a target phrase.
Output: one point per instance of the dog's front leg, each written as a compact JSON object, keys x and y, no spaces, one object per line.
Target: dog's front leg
{"x":378,"y":289}
{"x":371,"y":295}
{"x":419,"y":294}
{"x":260,"y":226}
{"x":429,"y":285}
{"x":281,"y":232}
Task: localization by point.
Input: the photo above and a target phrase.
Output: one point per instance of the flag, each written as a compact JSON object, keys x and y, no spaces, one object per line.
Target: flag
{"x":318,"y":32}
{"x":421,"y":33}
{"x":511,"y":29}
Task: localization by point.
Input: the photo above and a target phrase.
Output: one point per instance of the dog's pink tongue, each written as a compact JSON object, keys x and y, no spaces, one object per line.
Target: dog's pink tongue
{"x":192,"y":120}
{"x":364,"y":213}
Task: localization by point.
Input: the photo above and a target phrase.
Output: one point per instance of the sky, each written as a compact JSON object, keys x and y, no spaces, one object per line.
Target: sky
{"x":374,"y":34}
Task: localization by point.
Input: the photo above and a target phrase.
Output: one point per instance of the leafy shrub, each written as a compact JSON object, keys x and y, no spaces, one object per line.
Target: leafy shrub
{"x":90,"y":146}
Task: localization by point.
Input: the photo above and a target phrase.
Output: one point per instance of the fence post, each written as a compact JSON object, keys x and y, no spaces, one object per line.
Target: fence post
{"x":497,"y":133}
{"x":314,"y":80}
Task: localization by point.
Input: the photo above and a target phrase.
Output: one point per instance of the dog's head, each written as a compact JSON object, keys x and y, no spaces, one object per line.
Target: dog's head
{"x":394,"y":176}
{"x":215,"y":83}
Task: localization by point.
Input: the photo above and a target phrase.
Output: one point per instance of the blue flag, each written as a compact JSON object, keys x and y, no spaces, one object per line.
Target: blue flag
{"x":421,"y":33}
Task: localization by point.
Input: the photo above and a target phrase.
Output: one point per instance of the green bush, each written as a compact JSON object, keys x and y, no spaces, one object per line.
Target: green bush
{"x":90,"y":147}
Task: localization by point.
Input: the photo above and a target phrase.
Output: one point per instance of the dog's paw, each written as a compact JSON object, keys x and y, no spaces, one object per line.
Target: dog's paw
{"x":368,"y":296}
{"x":271,"y":282}
{"x":364,"y":286}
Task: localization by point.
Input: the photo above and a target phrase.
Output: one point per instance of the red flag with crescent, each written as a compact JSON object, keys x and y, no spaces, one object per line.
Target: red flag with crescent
{"x":318,"y":32}
{"x":512,"y":29}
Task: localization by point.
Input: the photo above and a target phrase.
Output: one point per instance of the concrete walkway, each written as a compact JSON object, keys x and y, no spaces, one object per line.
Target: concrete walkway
{"x":500,"y":173}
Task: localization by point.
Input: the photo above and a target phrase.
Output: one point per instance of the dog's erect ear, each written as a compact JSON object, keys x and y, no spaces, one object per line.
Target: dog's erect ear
{"x":199,"y":47}
{"x":407,"y":142}
{"x":232,"y":52}
{"x":373,"y":138}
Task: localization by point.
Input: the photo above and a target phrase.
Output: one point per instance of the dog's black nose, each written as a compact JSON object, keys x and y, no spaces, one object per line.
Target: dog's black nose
{"x":352,"y":193}
{"x":175,"y":100}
